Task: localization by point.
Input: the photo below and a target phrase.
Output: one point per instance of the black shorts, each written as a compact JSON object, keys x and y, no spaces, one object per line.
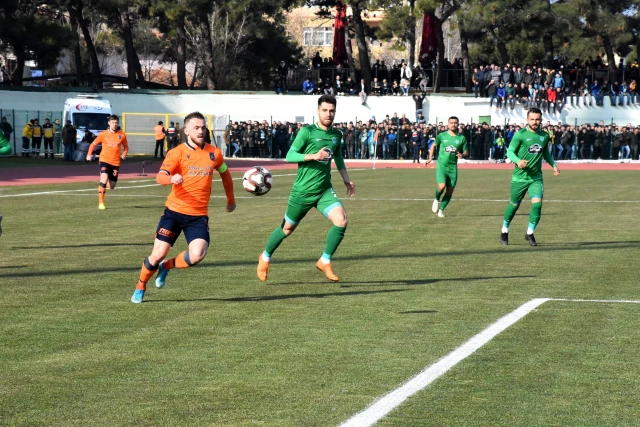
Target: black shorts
{"x":110,"y":170}
{"x":173,"y":223}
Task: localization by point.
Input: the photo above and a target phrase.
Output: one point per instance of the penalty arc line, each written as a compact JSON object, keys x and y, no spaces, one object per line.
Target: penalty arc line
{"x":381,"y":407}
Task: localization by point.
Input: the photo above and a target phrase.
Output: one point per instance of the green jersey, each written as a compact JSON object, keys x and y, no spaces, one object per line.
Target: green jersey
{"x":314,"y":177}
{"x":448,"y":147}
{"x":532,"y":147}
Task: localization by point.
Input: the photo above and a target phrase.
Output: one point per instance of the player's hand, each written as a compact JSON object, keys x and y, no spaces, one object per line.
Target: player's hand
{"x":556,"y":171}
{"x":231,"y":207}
{"x":351,"y":188}
{"x":88,"y":158}
{"x":459,"y":155}
{"x":426,"y":162}
{"x":123,"y":156}
{"x":522,"y":164}
{"x":176,"y":179}
{"x":323,"y":154}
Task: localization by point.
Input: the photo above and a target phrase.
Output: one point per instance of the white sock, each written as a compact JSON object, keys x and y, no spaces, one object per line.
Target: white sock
{"x":529,"y":231}
{"x":266,"y":258}
{"x":325,"y":261}
{"x":505,"y":229}
{"x":440,"y":211}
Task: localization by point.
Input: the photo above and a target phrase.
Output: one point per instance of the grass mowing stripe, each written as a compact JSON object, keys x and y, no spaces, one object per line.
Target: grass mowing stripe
{"x":392,"y":400}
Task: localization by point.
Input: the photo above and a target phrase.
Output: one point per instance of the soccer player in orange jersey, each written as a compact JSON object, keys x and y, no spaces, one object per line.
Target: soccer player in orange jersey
{"x":112,"y":141}
{"x":189,"y":168}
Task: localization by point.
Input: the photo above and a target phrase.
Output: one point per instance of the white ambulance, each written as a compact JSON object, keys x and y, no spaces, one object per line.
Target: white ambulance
{"x":87,"y":112}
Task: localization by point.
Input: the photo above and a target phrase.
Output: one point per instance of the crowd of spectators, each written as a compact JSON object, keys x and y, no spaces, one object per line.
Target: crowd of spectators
{"x":532,"y":85}
{"x":397,"y":137}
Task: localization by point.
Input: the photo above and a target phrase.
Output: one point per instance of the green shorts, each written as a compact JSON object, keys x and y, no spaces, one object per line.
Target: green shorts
{"x":447,"y":176}
{"x":300,"y":204}
{"x":519,"y":188}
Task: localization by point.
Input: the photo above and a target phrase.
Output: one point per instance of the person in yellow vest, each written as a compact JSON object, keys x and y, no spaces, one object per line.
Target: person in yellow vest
{"x":159,"y":131}
{"x":48,"y":132}
{"x":27,"y":134}
{"x":36,"y":139}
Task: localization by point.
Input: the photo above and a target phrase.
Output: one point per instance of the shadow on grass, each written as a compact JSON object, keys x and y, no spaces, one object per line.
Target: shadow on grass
{"x":419,"y":312}
{"x":426,"y":281}
{"x":13,"y":266}
{"x":511,"y":249}
{"x":89,"y":245}
{"x":283,"y":297}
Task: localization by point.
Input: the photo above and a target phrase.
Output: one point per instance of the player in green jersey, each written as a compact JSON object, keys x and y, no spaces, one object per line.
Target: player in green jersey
{"x":527,"y":149}
{"x":313,"y":149}
{"x":451,"y":146}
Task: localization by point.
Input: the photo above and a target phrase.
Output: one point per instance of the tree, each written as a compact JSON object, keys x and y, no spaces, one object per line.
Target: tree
{"x":33,"y":31}
{"x":608,"y":20}
{"x":399,"y":24}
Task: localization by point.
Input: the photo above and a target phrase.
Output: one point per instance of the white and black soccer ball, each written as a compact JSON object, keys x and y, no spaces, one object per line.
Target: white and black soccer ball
{"x":257,"y":181}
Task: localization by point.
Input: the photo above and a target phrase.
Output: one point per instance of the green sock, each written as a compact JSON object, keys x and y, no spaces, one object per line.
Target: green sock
{"x":510,"y":212}
{"x":334,"y":237}
{"x":438,"y":194}
{"x":445,"y":201}
{"x":534,"y":215}
{"x":274,"y":241}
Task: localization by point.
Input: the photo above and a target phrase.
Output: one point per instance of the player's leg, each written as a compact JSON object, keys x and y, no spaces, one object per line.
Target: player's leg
{"x":518,"y":190}
{"x":536,"y":193}
{"x":441,"y":184}
{"x":196,"y":231}
{"x":149,"y":268}
{"x":332,"y":208}
{"x":296,"y":210}
{"x":452,"y":180}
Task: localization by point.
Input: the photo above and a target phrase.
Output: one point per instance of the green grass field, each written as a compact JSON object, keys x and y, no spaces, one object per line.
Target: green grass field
{"x":217,"y":347}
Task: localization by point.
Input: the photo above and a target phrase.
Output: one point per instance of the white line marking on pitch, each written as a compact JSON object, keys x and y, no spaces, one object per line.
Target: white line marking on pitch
{"x":381,"y":407}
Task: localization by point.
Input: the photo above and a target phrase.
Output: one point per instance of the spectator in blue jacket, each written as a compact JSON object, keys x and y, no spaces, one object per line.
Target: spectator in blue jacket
{"x":307,"y":87}
{"x":558,"y":82}
{"x":596,"y":92}
{"x":501,"y":93}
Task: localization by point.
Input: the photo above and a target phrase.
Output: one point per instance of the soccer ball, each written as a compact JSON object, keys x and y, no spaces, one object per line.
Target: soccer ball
{"x":257,"y":180}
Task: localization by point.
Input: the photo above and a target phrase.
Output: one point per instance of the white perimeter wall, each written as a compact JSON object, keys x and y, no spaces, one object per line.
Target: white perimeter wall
{"x":289,"y":107}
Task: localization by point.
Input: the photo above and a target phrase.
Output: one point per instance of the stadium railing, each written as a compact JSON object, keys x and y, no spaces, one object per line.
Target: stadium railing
{"x":19,"y":118}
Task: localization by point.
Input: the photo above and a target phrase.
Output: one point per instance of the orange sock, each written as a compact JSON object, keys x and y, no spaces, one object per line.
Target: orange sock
{"x":101,"y":192}
{"x":177,"y":262}
{"x":146,"y":272}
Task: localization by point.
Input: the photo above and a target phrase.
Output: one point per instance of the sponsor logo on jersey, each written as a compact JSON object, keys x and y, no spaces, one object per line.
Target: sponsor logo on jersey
{"x":450,"y":149}
{"x":166,"y":233}
{"x":535,"y":148}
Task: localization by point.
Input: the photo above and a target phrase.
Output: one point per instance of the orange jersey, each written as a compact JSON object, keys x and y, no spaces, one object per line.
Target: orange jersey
{"x":159,"y":131}
{"x":196,"y":165}
{"x":111,"y":143}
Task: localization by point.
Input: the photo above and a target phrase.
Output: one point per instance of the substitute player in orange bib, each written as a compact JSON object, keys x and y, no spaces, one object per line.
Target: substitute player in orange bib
{"x":113,"y":141}
{"x":189,"y":168}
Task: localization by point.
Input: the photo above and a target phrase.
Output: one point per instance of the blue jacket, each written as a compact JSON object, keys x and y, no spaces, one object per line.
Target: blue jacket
{"x":595,"y":89}
{"x":502,"y":92}
{"x":307,"y":86}
{"x":558,"y":82}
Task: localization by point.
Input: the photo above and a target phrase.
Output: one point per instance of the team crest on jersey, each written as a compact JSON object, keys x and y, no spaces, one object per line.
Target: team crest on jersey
{"x":212,"y":156}
{"x":542,"y":139}
{"x":457,"y":141}
{"x":334,"y":140}
{"x":535,"y":148}
{"x":119,"y":136}
{"x":450,"y":149}
{"x":188,"y":156}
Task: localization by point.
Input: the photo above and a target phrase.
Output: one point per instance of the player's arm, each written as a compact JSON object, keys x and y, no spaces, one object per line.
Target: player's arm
{"x":549,"y":159}
{"x":93,"y":146}
{"x":227,"y":183}
{"x":167,"y":175}
{"x":125,"y":144}
{"x":432,"y":150}
{"x":465,"y":150}
{"x":511,"y":152}
{"x":342,"y":169}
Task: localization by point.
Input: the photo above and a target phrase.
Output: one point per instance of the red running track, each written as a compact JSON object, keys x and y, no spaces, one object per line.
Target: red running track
{"x":63,"y":174}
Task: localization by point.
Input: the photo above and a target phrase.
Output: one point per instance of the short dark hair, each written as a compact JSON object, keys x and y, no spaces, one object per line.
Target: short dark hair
{"x":329,"y":99}
{"x":194,"y":115}
{"x":113,"y":117}
{"x":159,"y":123}
{"x":453,"y":118}
{"x":534,"y":111}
